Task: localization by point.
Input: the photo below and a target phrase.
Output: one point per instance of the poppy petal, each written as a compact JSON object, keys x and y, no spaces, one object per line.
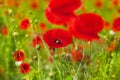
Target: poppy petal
{"x":87,"y":26}
{"x":56,"y":18}
{"x":57,"y":38}
{"x":64,"y":6}
{"x":116,"y":24}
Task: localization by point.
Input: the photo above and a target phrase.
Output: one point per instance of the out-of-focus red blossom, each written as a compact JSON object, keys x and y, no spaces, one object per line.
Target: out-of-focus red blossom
{"x":4,"y":31}
{"x":18,"y":55}
{"x":115,"y":2}
{"x":81,"y":47}
{"x":87,"y":26}
{"x":24,"y":24}
{"x":76,"y":55}
{"x":34,"y":5}
{"x":65,"y":6}
{"x":118,"y":10}
{"x":98,"y":3}
{"x":116,"y":24}
{"x":42,"y":26}
{"x":107,"y":25}
{"x":17,"y":4}
{"x":50,"y":59}
{"x":59,"y":18}
{"x":13,"y":3}
{"x":57,"y":38}
{"x":112,"y":46}
{"x":60,"y":12}
{"x":36,"y":41}
{"x":25,"y":68}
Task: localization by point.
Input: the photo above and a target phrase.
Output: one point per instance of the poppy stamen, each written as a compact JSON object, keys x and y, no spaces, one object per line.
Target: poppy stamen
{"x":58,"y":41}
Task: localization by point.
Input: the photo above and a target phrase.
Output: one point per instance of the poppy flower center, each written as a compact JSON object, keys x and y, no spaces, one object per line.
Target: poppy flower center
{"x":58,"y":41}
{"x":25,"y":67}
{"x":18,"y":55}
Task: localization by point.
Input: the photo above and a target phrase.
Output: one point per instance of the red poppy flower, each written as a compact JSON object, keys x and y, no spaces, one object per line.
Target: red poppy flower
{"x":50,"y":59}
{"x":118,"y":10}
{"x":58,"y":18}
{"x":36,"y":41}
{"x":98,"y":4}
{"x":34,"y":5}
{"x":65,"y":6}
{"x":18,"y":55}
{"x":4,"y":31}
{"x":87,"y":26}
{"x":116,"y":24}
{"x":107,"y":25}
{"x":24,"y":24}
{"x":115,"y":2}
{"x":57,"y":38}
{"x":60,"y":12}
{"x":13,"y":3}
{"x":42,"y":26}
{"x":76,"y":55}
{"x":24,"y":68}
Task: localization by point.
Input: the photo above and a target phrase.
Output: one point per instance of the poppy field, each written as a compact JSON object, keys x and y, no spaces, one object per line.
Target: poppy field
{"x":59,"y":39}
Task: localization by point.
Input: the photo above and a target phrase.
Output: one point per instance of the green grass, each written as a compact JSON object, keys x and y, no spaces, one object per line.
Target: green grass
{"x":102,"y":64}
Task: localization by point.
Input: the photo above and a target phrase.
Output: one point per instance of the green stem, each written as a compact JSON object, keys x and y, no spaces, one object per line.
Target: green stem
{"x":48,"y":52}
{"x":38,"y":63}
{"x":78,"y":70}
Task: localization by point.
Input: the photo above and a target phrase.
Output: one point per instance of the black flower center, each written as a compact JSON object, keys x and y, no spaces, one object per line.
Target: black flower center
{"x":58,"y":41}
{"x":25,"y":67}
{"x":18,"y":55}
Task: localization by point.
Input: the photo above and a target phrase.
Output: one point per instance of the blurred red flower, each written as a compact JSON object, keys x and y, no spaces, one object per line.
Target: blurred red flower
{"x":118,"y":10}
{"x":24,"y":68}
{"x":58,"y":18}
{"x":98,"y":3}
{"x":57,"y":38}
{"x":107,"y":25}
{"x":76,"y":55}
{"x":87,"y":26}
{"x":42,"y":26}
{"x":65,"y":6}
{"x":60,"y":12}
{"x":115,"y":2}
{"x":34,"y":5}
{"x":24,"y":24}
{"x":116,"y":24}
{"x":18,"y":55}
{"x":50,"y":59}
{"x":4,"y":31}
{"x":13,"y":3}
{"x":36,"y":41}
